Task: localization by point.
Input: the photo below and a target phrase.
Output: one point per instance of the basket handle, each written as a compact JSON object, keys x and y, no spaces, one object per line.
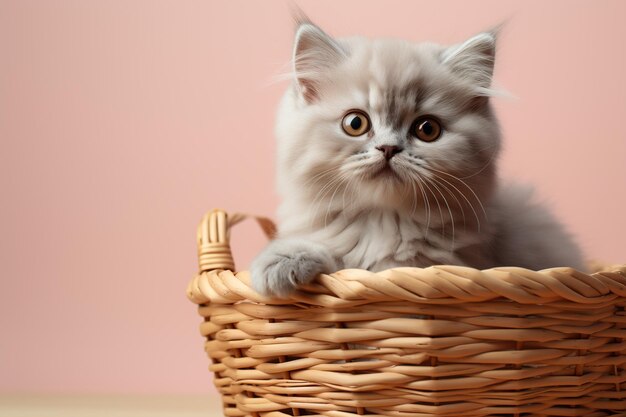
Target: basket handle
{"x":214,"y":238}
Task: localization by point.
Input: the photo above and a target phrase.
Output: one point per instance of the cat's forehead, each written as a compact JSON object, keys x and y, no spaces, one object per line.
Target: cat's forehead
{"x":398,"y":78}
{"x":392,"y":64}
{"x":395,"y":63}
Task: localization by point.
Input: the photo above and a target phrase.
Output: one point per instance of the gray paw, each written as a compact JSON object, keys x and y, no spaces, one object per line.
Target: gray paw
{"x":287,"y":263}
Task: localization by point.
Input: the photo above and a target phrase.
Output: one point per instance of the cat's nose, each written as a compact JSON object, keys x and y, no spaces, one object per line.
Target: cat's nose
{"x":389,"y":150}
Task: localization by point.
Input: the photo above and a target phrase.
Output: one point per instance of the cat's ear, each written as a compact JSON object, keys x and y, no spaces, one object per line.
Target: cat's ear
{"x":314,"y":53}
{"x":473,"y":59}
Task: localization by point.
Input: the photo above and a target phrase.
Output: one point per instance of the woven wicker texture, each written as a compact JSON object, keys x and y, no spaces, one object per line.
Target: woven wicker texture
{"x":437,"y":341}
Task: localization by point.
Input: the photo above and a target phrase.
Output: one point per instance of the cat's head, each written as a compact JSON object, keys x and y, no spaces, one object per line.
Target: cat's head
{"x":387,"y":123}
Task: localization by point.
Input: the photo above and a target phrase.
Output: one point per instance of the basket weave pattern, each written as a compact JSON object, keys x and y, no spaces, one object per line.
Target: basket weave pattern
{"x":413,"y":342}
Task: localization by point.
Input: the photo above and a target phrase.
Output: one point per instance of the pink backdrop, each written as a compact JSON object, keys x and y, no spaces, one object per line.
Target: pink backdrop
{"x":122,"y":122}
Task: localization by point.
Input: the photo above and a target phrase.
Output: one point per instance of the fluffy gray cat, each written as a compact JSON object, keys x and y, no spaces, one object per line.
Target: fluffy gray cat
{"x":387,"y":157}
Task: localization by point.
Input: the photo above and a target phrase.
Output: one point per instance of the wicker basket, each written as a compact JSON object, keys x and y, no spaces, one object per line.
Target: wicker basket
{"x":437,"y":341}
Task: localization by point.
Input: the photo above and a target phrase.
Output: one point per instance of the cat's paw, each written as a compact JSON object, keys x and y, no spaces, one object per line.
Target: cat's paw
{"x":287,"y":263}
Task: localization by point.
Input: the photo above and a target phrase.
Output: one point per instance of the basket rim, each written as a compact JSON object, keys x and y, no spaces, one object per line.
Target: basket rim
{"x":438,"y":284}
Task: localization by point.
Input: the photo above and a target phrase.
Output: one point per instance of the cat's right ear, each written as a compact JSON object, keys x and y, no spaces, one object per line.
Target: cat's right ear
{"x":314,"y":53}
{"x":473,"y":60}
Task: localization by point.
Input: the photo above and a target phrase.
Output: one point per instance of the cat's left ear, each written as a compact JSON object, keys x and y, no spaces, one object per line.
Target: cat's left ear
{"x":474,"y":59}
{"x":314,"y":53}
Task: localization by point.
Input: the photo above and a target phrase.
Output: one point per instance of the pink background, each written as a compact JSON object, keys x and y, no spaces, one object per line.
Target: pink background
{"x":122,"y":122}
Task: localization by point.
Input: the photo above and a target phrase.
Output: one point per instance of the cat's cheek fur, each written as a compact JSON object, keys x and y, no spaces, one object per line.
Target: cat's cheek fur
{"x":287,"y":263}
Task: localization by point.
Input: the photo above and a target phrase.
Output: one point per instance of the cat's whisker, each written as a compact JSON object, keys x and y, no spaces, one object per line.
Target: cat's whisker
{"x":482,"y":207}
{"x":414,"y":200}
{"x":332,"y":197}
{"x":462,"y":157}
{"x":427,"y":204}
{"x":345,"y":189}
{"x":443,"y":222}
{"x":321,"y":194}
{"x":445,"y":200}
{"x":353,"y":195}
{"x":344,"y":211}
{"x":439,"y":180}
{"x":489,"y":162}
{"x":320,"y":175}
{"x":350,"y":188}
{"x":361,"y":163}
{"x":332,"y":190}
{"x":418,"y":180}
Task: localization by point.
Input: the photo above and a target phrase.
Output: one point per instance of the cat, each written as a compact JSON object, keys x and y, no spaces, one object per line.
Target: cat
{"x":387,"y":156}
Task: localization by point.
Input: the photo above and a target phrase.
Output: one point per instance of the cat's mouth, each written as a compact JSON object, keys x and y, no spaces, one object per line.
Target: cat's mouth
{"x":386,"y":172}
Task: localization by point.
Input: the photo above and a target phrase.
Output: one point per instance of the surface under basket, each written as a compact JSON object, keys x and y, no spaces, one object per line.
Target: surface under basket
{"x":437,"y":341}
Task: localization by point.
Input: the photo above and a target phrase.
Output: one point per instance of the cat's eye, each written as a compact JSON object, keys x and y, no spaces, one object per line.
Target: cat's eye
{"x":426,"y":129}
{"x":355,"y":123}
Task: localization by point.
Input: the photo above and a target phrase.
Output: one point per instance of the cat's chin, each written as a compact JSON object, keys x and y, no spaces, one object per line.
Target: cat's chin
{"x":386,"y":189}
